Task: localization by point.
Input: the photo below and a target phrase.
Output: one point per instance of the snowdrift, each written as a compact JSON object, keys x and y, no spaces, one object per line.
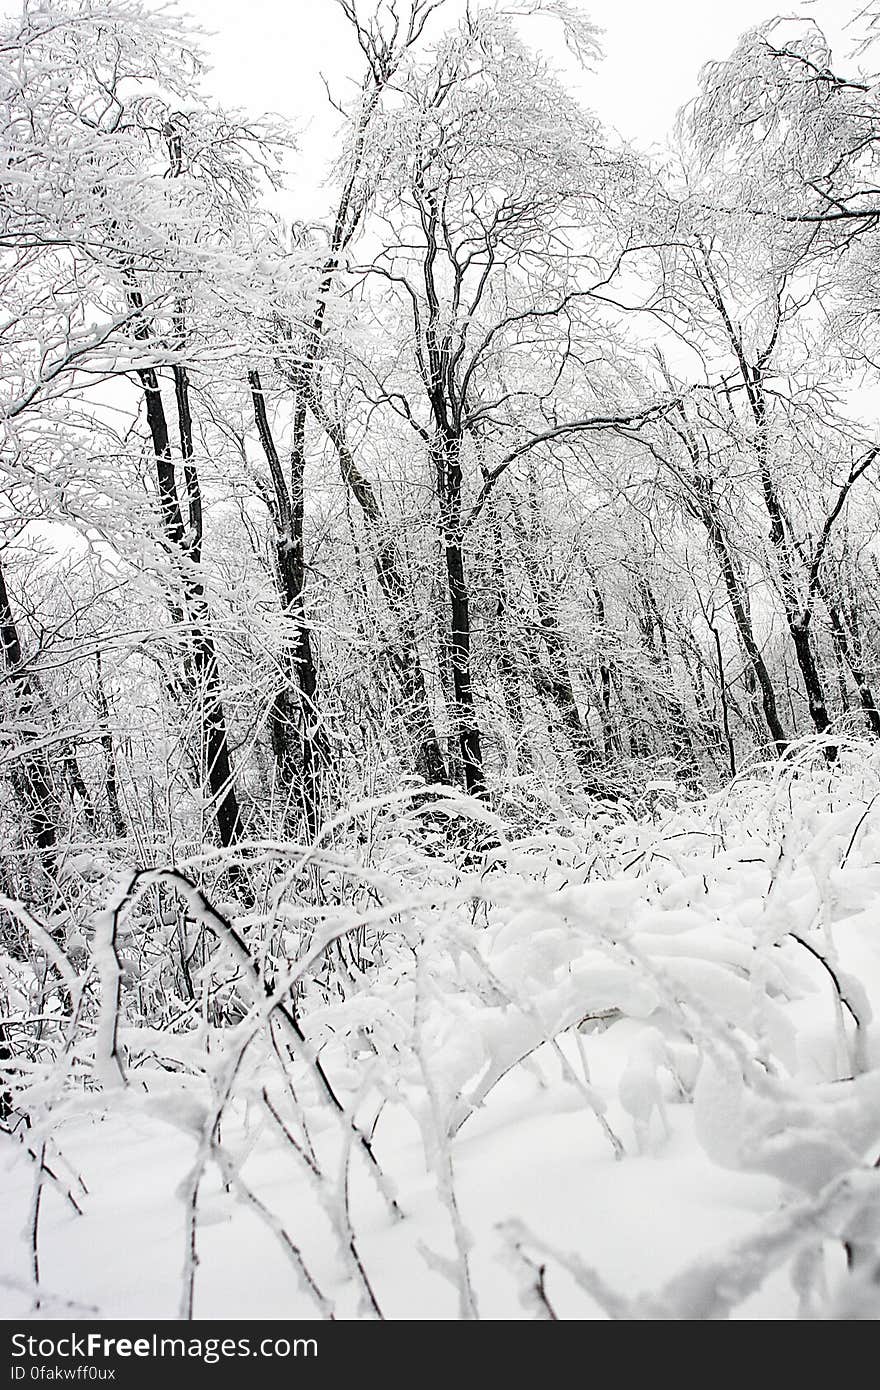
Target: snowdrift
{"x":618,"y":1066}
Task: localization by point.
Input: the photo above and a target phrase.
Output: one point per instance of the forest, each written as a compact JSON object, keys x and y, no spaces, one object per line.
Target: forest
{"x":439,"y":679}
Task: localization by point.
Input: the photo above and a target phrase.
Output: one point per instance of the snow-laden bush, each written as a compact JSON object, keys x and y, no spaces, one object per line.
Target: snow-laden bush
{"x":348,"y":1037}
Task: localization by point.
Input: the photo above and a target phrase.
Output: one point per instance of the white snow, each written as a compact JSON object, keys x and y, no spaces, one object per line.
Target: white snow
{"x":658,"y":1083}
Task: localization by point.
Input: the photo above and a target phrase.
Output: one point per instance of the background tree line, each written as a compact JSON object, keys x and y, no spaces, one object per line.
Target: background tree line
{"x":536,"y":467}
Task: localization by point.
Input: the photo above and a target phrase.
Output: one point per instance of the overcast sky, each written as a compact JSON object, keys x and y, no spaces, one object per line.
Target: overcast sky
{"x":268,"y":54}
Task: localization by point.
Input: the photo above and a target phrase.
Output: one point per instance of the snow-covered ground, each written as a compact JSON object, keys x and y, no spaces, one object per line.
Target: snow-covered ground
{"x":618,"y":1067}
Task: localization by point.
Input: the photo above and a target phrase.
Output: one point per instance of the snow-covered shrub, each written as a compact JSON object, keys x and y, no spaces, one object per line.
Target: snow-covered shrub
{"x":697,"y":983}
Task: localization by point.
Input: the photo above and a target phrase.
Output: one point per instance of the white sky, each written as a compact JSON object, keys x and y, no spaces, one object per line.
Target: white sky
{"x":267,"y":55}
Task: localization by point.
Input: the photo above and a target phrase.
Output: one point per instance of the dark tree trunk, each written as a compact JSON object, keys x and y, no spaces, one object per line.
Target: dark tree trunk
{"x":469,"y":737}
{"x":186,"y":554}
{"x":797,"y":618}
{"x":816,"y":700}
{"x":654,"y":631}
{"x":610,"y":736}
{"x":556,"y":678}
{"x":739,"y":607}
{"x":447,"y":463}
{"x":216,"y":759}
{"x":111,"y":780}
{"x":283,"y":718}
{"x":722,"y":694}
{"x":844,"y":647}
{"x":315,"y":753}
{"x":32,"y":776}
{"x":429,"y":760}
{"x":505,"y":656}
{"x":298,"y":740}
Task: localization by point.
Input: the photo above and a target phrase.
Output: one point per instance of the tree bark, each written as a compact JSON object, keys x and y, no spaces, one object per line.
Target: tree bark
{"x":505,"y":656}
{"x":429,"y":759}
{"x":111,"y":779}
{"x":447,"y":463}
{"x":216,"y":759}
{"x":797,"y":619}
{"x":739,"y":606}
{"x":557,"y":681}
{"x":185,"y":550}
{"x":32,"y":777}
{"x":298,"y":661}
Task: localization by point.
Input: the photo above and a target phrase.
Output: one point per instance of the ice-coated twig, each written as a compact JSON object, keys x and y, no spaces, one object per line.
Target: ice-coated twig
{"x":456,"y":1270}
{"x":517,"y":1236}
{"x":305,"y":1279}
{"x":270,"y":1002}
{"x":108,"y":1063}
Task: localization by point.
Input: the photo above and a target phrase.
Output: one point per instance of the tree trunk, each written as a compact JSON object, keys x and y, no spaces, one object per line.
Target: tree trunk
{"x":654,"y":630}
{"x":739,"y":607}
{"x":186,"y":553}
{"x":429,"y":760}
{"x":32,"y":777}
{"x":447,"y":463}
{"x":298,"y":659}
{"x":610,"y":736}
{"x":797,"y":620}
{"x":557,"y":677}
{"x":843,"y":646}
{"x":111,"y":780}
{"x":508,"y":669}
{"x":216,"y":760}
